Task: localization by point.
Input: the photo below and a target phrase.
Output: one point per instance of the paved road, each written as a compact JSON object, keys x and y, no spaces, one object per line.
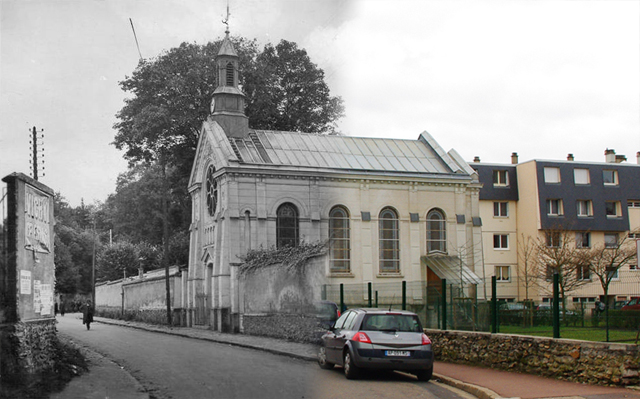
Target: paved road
{"x":176,"y":367}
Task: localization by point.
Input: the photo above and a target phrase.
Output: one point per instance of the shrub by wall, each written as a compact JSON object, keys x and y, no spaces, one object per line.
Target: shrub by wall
{"x":580,"y":361}
{"x":292,"y":327}
{"x":150,"y":316}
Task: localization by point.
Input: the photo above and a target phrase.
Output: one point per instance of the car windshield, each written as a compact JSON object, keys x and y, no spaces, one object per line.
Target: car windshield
{"x":391,"y":322}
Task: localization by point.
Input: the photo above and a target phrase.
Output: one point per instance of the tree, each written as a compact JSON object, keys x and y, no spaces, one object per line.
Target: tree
{"x":115,"y":260}
{"x":557,"y":254}
{"x":528,"y":257}
{"x":606,"y":259}
{"x":286,"y":91}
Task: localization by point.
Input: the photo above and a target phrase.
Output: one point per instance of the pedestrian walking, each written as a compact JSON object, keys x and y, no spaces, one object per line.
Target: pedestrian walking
{"x":62,"y":308}
{"x":55,"y":309}
{"x":87,"y":314}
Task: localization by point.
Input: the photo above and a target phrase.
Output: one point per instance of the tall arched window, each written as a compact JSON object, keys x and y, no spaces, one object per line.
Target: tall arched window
{"x":212,"y":191}
{"x":339,"y":240}
{"x":287,"y":226}
{"x":229,"y":72}
{"x":436,"y":232}
{"x":389,"y":241}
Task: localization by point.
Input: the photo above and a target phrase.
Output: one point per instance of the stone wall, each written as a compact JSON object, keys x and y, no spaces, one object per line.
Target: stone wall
{"x":30,"y":347}
{"x":292,"y":327}
{"x":580,"y":361}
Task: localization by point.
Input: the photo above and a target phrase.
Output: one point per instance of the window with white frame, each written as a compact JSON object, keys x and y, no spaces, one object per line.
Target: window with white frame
{"x":436,"y":232}
{"x":581,"y":176}
{"x":501,"y":241}
{"x":389,"y":238}
{"x":553,"y":239}
{"x":611,"y":240}
{"x":583,"y":239}
{"x":500,"y":178}
{"x":554,"y":207}
{"x":585,"y":208}
{"x":633,"y":203}
{"x":503,"y":273}
{"x":633,"y":267}
{"x":500,"y":209}
{"x":551,"y":175}
{"x":612,"y":209}
{"x":583,"y":272}
{"x":339,"y":240}
{"x":610,"y":177}
{"x":613,"y":274}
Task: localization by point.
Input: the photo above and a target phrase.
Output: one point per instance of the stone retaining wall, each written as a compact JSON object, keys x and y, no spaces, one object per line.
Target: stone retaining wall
{"x":292,"y":327}
{"x":580,"y":361}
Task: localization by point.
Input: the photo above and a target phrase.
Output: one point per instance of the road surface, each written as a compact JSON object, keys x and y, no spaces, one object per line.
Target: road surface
{"x":172,"y":367}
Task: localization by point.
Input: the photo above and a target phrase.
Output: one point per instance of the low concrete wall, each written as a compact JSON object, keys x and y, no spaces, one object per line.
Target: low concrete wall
{"x":580,"y":361}
{"x":146,"y":293}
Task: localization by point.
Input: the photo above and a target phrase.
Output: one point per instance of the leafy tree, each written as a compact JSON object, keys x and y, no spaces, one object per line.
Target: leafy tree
{"x":286,"y":91}
{"x":116,"y":260}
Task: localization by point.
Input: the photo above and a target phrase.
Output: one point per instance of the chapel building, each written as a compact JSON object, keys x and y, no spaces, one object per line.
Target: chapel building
{"x":391,"y":210}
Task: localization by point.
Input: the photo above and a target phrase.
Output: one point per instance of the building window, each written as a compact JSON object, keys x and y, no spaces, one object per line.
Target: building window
{"x":287,"y":226}
{"x":502,"y":273}
{"x":436,"y":232}
{"x":612,"y":209}
{"x":634,"y":235}
{"x":633,"y":203}
{"x":583,"y":240}
{"x":610,"y":177}
{"x":611,"y":240}
{"x":500,"y":209}
{"x":581,"y":176}
{"x":553,"y":239}
{"x":551,"y":175}
{"x":554,"y":207}
{"x":585,"y":208}
{"x":583,"y":272}
{"x":500,"y":178}
{"x":339,"y":240}
{"x":501,"y":241}
{"x":633,"y":267}
{"x":212,"y":191}
{"x":389,"y":241}
{"x":229,"y":74}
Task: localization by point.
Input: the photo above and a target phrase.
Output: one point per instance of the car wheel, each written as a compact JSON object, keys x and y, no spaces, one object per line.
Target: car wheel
{"x":424,"y":375}
{"x":322,"y":359}
{"x":351,"y":371}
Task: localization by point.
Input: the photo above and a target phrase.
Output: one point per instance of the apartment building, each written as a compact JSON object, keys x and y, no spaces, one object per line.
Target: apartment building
{"x":591,"y":203}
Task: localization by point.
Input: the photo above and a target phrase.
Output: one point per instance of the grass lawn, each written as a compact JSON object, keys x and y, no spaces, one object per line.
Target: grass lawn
{"x":597,"y":334}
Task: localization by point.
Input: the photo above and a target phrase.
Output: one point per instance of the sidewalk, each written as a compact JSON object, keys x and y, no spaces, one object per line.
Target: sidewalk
{"x":105,"y":376}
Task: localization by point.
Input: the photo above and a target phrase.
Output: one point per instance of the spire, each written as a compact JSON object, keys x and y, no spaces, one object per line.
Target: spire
{"x":228,"y":102}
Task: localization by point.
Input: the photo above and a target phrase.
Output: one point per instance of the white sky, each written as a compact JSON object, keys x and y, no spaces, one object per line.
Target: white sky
{"x":541,"y":78}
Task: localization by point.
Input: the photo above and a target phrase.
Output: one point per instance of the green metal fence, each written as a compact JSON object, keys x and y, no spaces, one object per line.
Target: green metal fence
{"x":479,"y":307}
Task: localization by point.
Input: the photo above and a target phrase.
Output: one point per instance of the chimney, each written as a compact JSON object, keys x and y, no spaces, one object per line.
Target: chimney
{"x":514,"y":158}
{"x":621,"y":158}
{"x":638,"y":157}
{"x":476,"y":159}
{"x":609,"y":156}
{"x":569,"y":157}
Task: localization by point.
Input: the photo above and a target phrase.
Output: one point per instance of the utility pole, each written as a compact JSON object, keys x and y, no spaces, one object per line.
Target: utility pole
{"x":34,"y":151}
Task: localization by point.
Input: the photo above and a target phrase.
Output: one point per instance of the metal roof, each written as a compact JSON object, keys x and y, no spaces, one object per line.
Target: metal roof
{"x":344,"y":152}
{"x":452,"y":269}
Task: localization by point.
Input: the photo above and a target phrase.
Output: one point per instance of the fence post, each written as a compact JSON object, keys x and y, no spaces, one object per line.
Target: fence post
{"x":323,"y":292}
{"x":369,"y":289}
{"x":444,"y":303}
{"x":555,"y":308}
{"x":376,"y":298}
{"x":341,"y":297}
{"x":494,"y":305}
{"x":404,"y":295}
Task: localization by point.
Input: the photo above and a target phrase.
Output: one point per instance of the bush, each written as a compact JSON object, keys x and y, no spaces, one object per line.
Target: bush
{"x":150,"y":316}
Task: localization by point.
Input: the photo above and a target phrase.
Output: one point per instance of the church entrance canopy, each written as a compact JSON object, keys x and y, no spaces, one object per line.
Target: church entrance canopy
{"x":451,"y":268}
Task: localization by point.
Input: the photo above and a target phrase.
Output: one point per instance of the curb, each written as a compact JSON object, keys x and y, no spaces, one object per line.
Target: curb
{"x":478,"y":391}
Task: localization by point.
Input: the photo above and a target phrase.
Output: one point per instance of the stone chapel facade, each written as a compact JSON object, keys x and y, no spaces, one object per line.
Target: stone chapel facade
{"x":388,"y":205}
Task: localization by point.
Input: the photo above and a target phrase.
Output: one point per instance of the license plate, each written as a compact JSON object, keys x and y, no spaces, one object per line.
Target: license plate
{"x":397,"y":353}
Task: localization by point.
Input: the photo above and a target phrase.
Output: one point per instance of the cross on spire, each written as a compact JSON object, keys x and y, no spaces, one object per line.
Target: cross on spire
{"x":226,"y":21}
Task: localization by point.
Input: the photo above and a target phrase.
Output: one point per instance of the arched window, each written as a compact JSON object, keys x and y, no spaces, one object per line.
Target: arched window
{"x":339,"y":240}
{"x":436,"y":232}
{"x":212,"y":191}
{"x":229,"y":72}
{"x":287,"y":226}
{"x":389,"y":241}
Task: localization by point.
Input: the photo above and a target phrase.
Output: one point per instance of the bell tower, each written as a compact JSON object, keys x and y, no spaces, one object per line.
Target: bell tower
{"x":227,"y":104}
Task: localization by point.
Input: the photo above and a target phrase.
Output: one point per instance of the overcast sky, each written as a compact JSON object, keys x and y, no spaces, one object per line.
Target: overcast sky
{"x":488,"y":78}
